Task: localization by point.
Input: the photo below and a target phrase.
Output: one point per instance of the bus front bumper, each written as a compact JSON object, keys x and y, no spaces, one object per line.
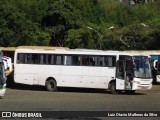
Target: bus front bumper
{"x":144,"y":84}
{"x":142,"y":87}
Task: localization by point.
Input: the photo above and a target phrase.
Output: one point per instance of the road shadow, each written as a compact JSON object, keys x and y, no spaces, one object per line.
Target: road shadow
{"x":59,"y":89}
{"x":155,"y":83}
{"x":66,"y":89}
{"x":91,"y":90}
{"x":136,"y":93}
{"x":26,"y":87}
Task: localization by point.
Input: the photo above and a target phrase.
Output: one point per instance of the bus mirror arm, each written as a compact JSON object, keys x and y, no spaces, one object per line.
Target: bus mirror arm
{"x":154,"y":64}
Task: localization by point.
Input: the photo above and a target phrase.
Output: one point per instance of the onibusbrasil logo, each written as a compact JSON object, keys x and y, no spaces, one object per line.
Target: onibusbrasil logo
{"x":21,"y":115}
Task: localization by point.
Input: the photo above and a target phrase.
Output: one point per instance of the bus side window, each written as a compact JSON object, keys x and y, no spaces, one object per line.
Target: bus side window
{"x":27,"y":58}
{"x":42,"y":58}
{"x":91,"y":61}
{"x":75,"y":60}
{"x":111,"y":61}
{"x":20,"y":58}
{"x":100,"y":61}
{"x":45,"y":59}
{"x":72,"y":60}
{"x":68,"y":60}
{"x":50,"y":59}
{"x":35,"y":59}
{"x":85,"y":60}
{"x":88,"y":60}
{"x":105,"y":61}
{"x":59,"y":60}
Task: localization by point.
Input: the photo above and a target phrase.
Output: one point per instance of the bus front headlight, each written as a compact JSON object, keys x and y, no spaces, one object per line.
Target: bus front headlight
{"x":137,"y":82}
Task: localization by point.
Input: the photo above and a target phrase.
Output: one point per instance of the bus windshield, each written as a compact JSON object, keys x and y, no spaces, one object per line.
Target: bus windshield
{"x":142,"y":67}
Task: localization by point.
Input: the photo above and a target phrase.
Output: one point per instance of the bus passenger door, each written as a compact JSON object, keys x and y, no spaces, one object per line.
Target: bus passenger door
{"x":120,"y":75}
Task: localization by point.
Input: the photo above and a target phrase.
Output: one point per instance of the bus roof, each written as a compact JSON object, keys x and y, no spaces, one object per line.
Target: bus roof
{"x":146,"y":52}
{"x":42,"y":47}
{"x":7,"y":48}
{"x":31,"y":47}
{"x":78,"y":51}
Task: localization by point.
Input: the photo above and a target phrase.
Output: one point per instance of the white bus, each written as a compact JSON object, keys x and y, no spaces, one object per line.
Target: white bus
{"x":154,"y":62}
{"x":2,"y":77}
{"x":82,"y":68}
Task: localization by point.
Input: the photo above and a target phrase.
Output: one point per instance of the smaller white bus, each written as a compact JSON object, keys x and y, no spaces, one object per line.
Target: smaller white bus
{"x":111,"y":70}
{"x":2,"y":77}
{"x":154,"y":62}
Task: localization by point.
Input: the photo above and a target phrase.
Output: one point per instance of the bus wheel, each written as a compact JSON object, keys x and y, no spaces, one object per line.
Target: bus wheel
{"x":51,"y":85}
{"x":112,"y":88}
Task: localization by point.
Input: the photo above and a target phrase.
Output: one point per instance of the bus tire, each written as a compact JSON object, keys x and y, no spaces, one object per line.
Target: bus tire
{"x":112,"y":88}
{"x":51,"y":85}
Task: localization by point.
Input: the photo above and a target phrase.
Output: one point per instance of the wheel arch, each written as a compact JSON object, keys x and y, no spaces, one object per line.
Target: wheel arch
{"x":50,"y":78}
{"x":109,"y":84}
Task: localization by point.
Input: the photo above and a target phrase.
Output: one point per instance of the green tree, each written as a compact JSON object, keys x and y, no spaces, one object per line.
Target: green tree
{"x":17,"y":29}
{"x":60,"y":17}
{"x":65,"y":22}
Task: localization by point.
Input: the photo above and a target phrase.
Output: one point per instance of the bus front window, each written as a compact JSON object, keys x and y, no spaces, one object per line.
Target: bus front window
{"x":142,"y":67}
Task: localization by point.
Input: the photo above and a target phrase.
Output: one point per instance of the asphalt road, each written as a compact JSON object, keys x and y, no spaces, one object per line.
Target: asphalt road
{"x":36,"y":98}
